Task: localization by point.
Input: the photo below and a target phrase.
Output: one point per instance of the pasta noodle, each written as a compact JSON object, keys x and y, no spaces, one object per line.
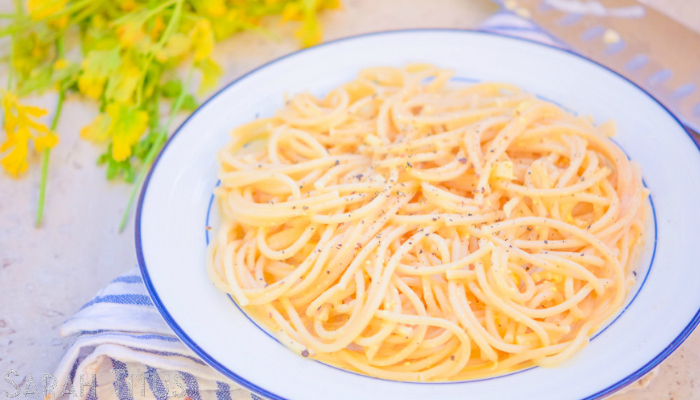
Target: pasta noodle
{"x":412,"y":229}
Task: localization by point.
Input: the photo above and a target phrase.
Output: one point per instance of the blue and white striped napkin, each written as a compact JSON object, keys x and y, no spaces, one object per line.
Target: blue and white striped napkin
{"x":124,"y":350}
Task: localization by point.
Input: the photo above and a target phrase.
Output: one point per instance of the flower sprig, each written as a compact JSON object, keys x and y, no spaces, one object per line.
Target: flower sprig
{"x":128,"y":56}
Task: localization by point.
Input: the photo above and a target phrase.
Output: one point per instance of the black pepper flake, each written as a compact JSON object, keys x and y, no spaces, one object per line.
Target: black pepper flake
{"x":462,"y":160}
{"x":529,"y":229}
{"x":305,"y":353}
{"x":337,"y":162}
{"x":635,"y":273}
{"x":305,"y":208}
{"x":545,"y":242}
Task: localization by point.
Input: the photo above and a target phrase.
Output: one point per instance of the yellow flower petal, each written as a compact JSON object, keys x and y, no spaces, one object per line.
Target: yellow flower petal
{"x":292,"y":12}
{"x":202,"y":39}
{"x":32,"y":110}
{"x":61,"y":63}
{"x":44,"y":142}
{"x":15,"y":162}
{"x":310,"y":33}
{"x":19,"y":125}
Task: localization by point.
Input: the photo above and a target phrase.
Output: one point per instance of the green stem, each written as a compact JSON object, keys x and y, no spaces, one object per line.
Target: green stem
{"x":47,"y":152}
{"x":169,"y":29}
{"x":45,"y":161}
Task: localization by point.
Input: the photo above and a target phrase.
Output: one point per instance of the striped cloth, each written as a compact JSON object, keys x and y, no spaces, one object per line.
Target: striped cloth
{"x":123,"y":343}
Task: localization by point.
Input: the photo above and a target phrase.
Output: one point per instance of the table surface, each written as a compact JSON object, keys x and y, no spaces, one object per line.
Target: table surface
{"x":47,"y":274}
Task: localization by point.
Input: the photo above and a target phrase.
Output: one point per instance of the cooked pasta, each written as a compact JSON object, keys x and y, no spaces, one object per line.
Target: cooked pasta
{"x":410,"y":228}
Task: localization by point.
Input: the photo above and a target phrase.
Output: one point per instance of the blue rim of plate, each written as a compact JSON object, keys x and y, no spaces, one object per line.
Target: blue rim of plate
{"x":682,"y":336}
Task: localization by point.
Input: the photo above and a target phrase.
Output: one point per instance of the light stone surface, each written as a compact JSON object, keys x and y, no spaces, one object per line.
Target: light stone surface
{"x":47,"y":274}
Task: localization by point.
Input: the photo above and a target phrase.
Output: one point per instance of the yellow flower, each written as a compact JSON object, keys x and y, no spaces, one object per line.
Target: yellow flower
{"x":157,"y":28}
{"x":60,"y":64}
{"x":309,"y":33}
{"x":20,"y":128}
{"x":44,"y":142}
{"x":124,"y":124}
{"x":122,"y":83}
{"x":130,"y":33}
{"x":96,"y":69}
{"x":41,"y":9}
{"x":128,"y":124}
{"x":15,"y":162}
{"x":328,"y":5}
{"x":202,"y":39}
{"x":292,"y":12}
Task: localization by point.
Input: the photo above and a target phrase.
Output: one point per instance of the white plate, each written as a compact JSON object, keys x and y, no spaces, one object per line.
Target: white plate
{"x":662,"y":309}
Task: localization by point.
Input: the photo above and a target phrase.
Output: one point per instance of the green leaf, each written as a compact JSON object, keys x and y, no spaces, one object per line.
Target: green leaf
{"x":189,"y":103}
{"x":171,"y":88}
{"x":112,"y":169}
{"x":104,"y":157}
{"x":129,"y":172}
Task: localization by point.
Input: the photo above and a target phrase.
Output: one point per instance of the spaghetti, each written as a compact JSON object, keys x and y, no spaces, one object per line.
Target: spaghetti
{"x":411,"y":230}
